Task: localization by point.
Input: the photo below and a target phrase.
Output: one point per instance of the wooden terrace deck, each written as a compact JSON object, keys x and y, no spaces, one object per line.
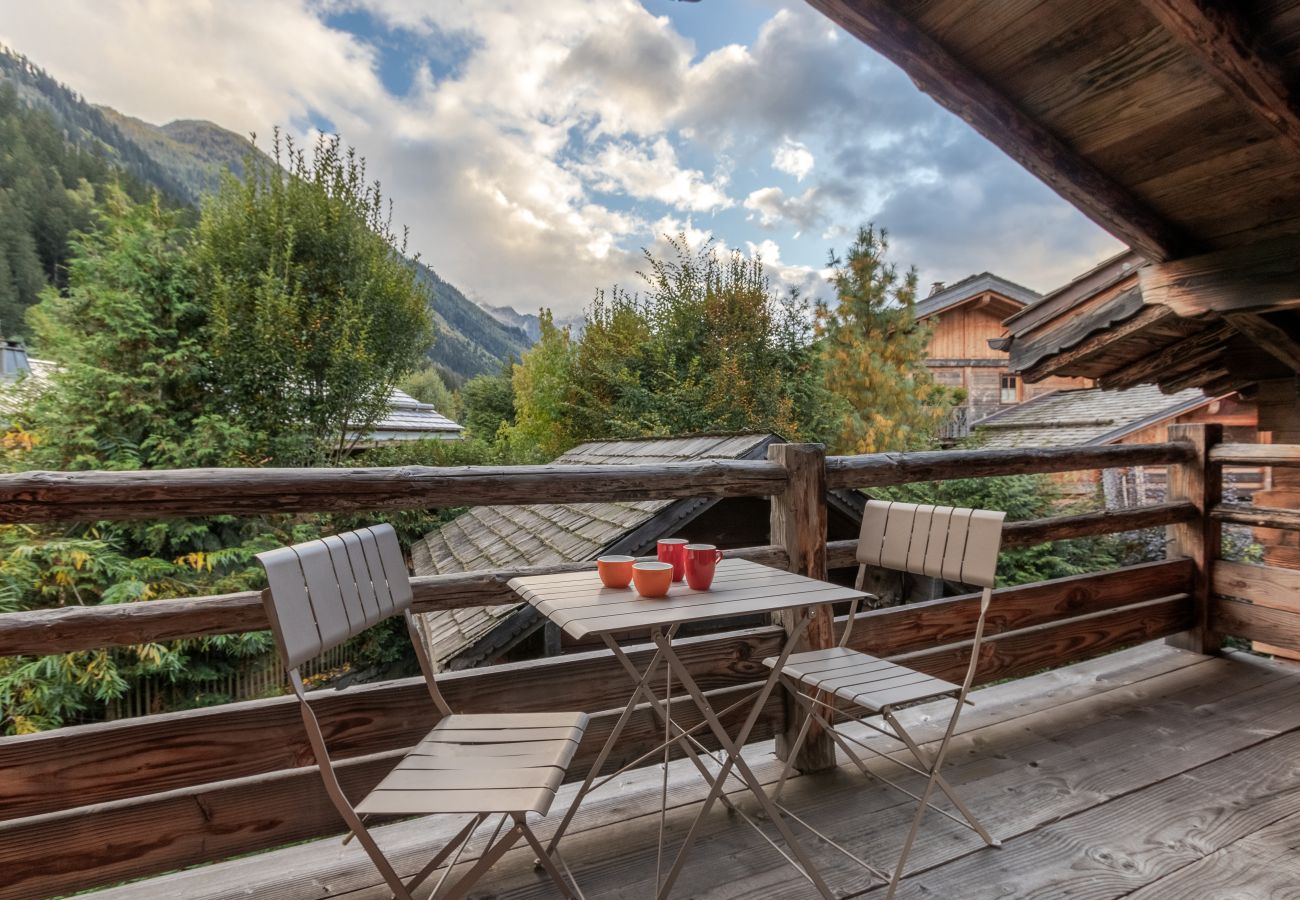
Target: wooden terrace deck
{"x":1151,"y":773}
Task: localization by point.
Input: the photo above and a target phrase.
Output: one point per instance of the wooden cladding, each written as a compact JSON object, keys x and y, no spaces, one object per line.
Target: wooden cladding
{"x":235,"y":779}
{"x":1259,"y":603}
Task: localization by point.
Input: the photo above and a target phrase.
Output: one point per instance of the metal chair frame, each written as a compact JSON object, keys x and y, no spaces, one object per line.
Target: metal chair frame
{"x":321,"y":593}
{"x":945,"y":542}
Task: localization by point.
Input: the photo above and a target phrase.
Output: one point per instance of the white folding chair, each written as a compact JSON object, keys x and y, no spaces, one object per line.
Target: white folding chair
{"x":322,"y":593}
{"x":959,"y":545}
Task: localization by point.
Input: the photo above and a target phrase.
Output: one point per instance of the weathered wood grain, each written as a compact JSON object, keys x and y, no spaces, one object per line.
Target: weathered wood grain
{"x":880,"y":469}
{"x":1276,"y":627}
{"x":1258,"y":516}
{"x":1269,"y":337}
{"x":881,"y":25}
{"x":1227,"y":46}
{"x":1256,"y":454}
{"x":94,"y":627}
{"x":798,"y":524}
{"x":1257,"y":277}
{"x":31,"y":497}
{"x":1199,"y":539}
{"x":1271,"y":586}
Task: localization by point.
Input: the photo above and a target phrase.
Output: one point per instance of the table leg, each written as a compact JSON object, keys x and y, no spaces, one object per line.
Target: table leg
{"x":662,"y":713}
{"x":732,"y":750}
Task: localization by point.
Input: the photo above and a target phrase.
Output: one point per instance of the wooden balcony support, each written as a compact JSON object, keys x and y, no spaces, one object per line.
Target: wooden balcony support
{"x":1199,"y":482}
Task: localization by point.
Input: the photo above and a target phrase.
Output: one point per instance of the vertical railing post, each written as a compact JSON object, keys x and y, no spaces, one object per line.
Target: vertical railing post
{"x":798,"y":524}
{"x":1197,"y":481}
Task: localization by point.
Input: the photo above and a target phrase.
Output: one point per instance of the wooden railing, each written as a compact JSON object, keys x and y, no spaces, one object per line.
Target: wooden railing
{"x":133,"y":797}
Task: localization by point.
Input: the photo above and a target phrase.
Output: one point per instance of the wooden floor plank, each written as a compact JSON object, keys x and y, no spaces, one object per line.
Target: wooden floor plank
{"x":1118,"y":847}
{"x":1262,"y":866}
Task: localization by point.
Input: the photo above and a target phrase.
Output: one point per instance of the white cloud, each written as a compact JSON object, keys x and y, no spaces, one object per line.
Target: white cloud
{"x":652,"y":172}
{"x":793,"y":158}
{"x":771,"y":207}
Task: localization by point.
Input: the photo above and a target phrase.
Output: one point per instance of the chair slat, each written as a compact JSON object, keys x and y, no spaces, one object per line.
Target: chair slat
{"x":872,"y":537}
{"x":898,"y":536}
{"x":395,"y":571}
{"x":955,"y":551}
{"x":361,"y":574}
{"x":347,"y":581}
{"x":370,"y":548}
{"x":980,"y":562}
{"x":324,"y":595}
{"x":920,"y":538}
{"x":937,"y":543}
{"x":289,"y":608}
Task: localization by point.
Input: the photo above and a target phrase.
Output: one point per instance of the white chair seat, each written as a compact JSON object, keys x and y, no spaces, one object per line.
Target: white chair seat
{"x":482,"y":763}
{"x":866,"y":681}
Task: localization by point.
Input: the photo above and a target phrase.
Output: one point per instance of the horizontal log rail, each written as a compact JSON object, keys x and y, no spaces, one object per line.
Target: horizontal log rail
{"x":31,"y":497}
{"x":1257,"y":516}
{"x":883,"y":469}
{"x":1256,"y":454}
{"x":76,"y":628}
{"x":235,"y":779}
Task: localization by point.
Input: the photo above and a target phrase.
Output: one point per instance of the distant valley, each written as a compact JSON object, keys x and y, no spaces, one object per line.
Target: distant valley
{"x":184,"y":160}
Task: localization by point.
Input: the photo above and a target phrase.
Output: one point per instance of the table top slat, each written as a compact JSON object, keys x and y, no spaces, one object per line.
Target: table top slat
{"x":582,"y":606}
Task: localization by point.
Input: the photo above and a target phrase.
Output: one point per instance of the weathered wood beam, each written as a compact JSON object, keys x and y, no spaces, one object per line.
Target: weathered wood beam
{"x":1218,"y":35}
{"x":1257,"y":516}
{"x":1256,"y":454}
{"x":1096,"y":344}
{"x":1199,"y":539}
{"x":55,"y":496}
{"x":959,"y":89}
{"x":1271,"y":586}
{"x":72,"y":628}
{"x":881,"y":469}
{"x":1195,"y":351}
{"x":1269,"y":337}
{"x":1195,"y":376}
{"x":1252,"y":278}
{"x":1275,"y":627}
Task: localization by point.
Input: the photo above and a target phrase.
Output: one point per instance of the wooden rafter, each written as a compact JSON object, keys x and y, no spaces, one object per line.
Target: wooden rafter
{"x":1268,"y":337}
{"x":950,"y":82}
{"x":1252,"y":278}
{"x":1196,"y":350}
{"x":1097,"y":343}
{"x":1217,"y":34}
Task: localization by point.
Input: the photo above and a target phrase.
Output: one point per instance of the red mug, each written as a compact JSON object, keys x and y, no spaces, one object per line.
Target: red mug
{"x":671,"y":550}
{"x":701,"y":563}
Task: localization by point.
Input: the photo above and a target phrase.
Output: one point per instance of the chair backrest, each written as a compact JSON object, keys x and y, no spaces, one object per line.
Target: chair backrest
{"x":939,"y":541}
{"x":323,"y":592}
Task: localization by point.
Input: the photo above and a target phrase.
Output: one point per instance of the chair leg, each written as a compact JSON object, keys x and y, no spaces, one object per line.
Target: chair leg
{"x":486,"y":861}
{"x":940,"y":781}
{"x":566,"y":890}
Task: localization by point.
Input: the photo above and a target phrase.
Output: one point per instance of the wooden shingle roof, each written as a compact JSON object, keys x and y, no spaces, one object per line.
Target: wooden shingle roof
{"x":499,"y":536}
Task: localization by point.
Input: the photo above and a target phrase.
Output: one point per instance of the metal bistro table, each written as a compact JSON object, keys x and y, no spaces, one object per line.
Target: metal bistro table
{"x":579,"y":604}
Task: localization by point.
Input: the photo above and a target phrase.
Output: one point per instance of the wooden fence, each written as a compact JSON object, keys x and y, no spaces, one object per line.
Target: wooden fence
{"x":133,"y":797}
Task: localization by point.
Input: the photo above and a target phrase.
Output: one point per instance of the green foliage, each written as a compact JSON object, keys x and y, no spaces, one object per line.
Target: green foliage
{"x":708,"y":346}
{"x":487,"y":402}
{"x":315,"y":314}
{"x":427,"y":386}
{"x":1021,"y":497}
{"x":874,"y":354}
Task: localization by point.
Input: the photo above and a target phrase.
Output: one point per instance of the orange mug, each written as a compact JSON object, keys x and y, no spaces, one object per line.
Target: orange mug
{"x":615,"y":571}
{"x":701,"y":563}
{"x":671,"y":551}
{"x":652,"y":579}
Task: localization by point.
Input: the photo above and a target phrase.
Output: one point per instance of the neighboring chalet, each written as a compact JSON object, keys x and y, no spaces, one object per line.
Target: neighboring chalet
{"x":408,"y":420}
{"x":1137,"y":415}
{"x":964,"y":317}
{"x":505,"y":536}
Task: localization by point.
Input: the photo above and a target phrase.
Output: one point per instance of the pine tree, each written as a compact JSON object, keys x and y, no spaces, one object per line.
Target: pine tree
{"x":874,"y":353}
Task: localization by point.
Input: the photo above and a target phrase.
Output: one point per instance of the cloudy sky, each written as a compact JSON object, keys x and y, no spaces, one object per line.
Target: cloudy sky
{"x":535,"y":148}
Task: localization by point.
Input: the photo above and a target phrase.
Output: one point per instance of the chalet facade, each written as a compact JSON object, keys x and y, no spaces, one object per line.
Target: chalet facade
{"x":964,"y":318}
